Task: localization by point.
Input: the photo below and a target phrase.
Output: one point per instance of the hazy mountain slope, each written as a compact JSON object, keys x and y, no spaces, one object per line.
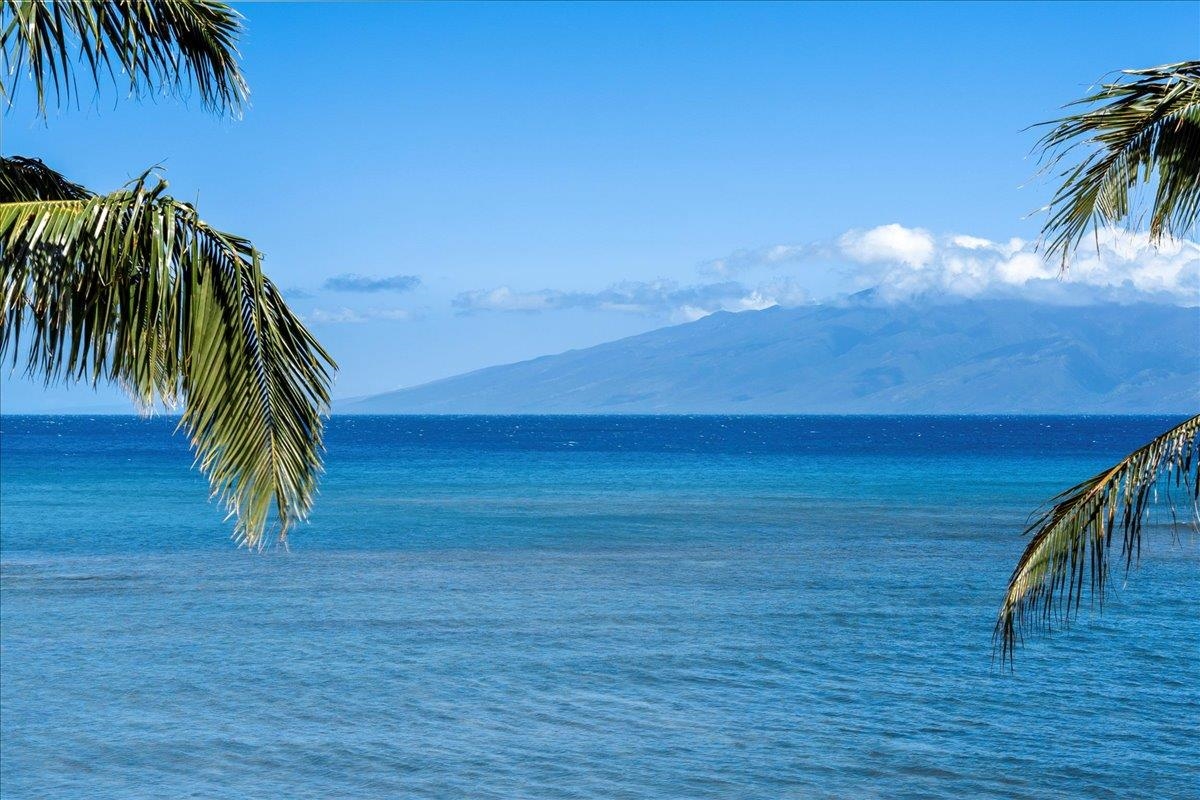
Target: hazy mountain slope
{"x":965,"y":357}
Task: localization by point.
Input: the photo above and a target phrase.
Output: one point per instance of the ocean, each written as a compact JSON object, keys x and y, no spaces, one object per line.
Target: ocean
{"x":583,"y":607}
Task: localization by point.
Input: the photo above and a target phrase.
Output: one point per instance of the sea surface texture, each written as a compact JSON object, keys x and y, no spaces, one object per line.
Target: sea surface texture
{"x":583,"y":607}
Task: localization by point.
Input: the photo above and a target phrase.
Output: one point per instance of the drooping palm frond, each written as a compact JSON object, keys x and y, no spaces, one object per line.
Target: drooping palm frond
{"x":1137,"y":132}
{"x":1073,"y":537}
{"x":29,"y":179}
{"x":1140,"y":131}
{"x":134,"y":287}
{"x":170,"y":44}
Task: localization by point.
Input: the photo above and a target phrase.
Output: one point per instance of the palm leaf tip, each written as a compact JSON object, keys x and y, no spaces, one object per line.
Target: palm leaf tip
{"x":1142,"y":130}
{"x":135,"y":288}
{"x":170,"y":44}
{"x":1073,"y":537}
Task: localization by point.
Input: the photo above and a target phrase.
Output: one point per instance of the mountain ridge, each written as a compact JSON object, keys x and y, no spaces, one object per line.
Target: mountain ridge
{"x":859,"y":356}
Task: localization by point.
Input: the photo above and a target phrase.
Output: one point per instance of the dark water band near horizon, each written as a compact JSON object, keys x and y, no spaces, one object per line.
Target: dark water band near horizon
{"x":583,"y":607}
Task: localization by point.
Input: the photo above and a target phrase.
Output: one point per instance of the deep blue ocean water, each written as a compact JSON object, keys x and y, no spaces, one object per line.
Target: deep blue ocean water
{"x":582,"y":607}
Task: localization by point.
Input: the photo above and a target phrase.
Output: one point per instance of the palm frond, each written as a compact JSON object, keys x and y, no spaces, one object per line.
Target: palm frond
{"x":1140,"y":131}
{"x":30,"y":179}
{"x":168,"y":44}
{"x":1073,"y":537}
{"x":134,"y":287}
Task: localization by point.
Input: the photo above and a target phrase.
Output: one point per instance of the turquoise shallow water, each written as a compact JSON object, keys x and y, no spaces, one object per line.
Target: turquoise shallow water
{"x":581,"y":607}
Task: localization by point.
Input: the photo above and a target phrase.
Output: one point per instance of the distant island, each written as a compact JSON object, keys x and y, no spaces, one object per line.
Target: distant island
{"x":857,"y":356}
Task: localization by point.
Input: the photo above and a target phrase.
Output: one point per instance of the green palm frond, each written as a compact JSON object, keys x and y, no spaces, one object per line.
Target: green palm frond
{"x":30,"y":179}
{"x":1141,"y":131}
{"x":134,"y":287}
{"x":170,"y":44}
{"x":1137,"y":132}
{"x":1073,"y":537}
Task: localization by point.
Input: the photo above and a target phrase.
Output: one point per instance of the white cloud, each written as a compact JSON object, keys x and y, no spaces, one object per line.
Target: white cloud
{"x":910,"y":246}
{"x":1023,"y":267}
{"x":341,"y":316}
{"x":784,"y":291}
{"x":775,"y":255}
{"x":970,"y":242}
{"x":505,"y":299}
{"x":902,"y":262}
{"x":1125,"y":260}
{"x":660,"y":298}
{"x":689,"y":314}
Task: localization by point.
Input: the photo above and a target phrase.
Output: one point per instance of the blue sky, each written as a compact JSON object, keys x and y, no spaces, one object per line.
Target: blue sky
{"x":444,"y":187}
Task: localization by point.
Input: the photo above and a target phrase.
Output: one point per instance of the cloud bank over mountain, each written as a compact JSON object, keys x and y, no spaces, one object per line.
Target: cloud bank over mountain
{"x":662,"y":297}
{"x":1117,"y":265}
{"x":905,"y":262}
{"x":895,"y":261}
{"x":899,"y":263}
